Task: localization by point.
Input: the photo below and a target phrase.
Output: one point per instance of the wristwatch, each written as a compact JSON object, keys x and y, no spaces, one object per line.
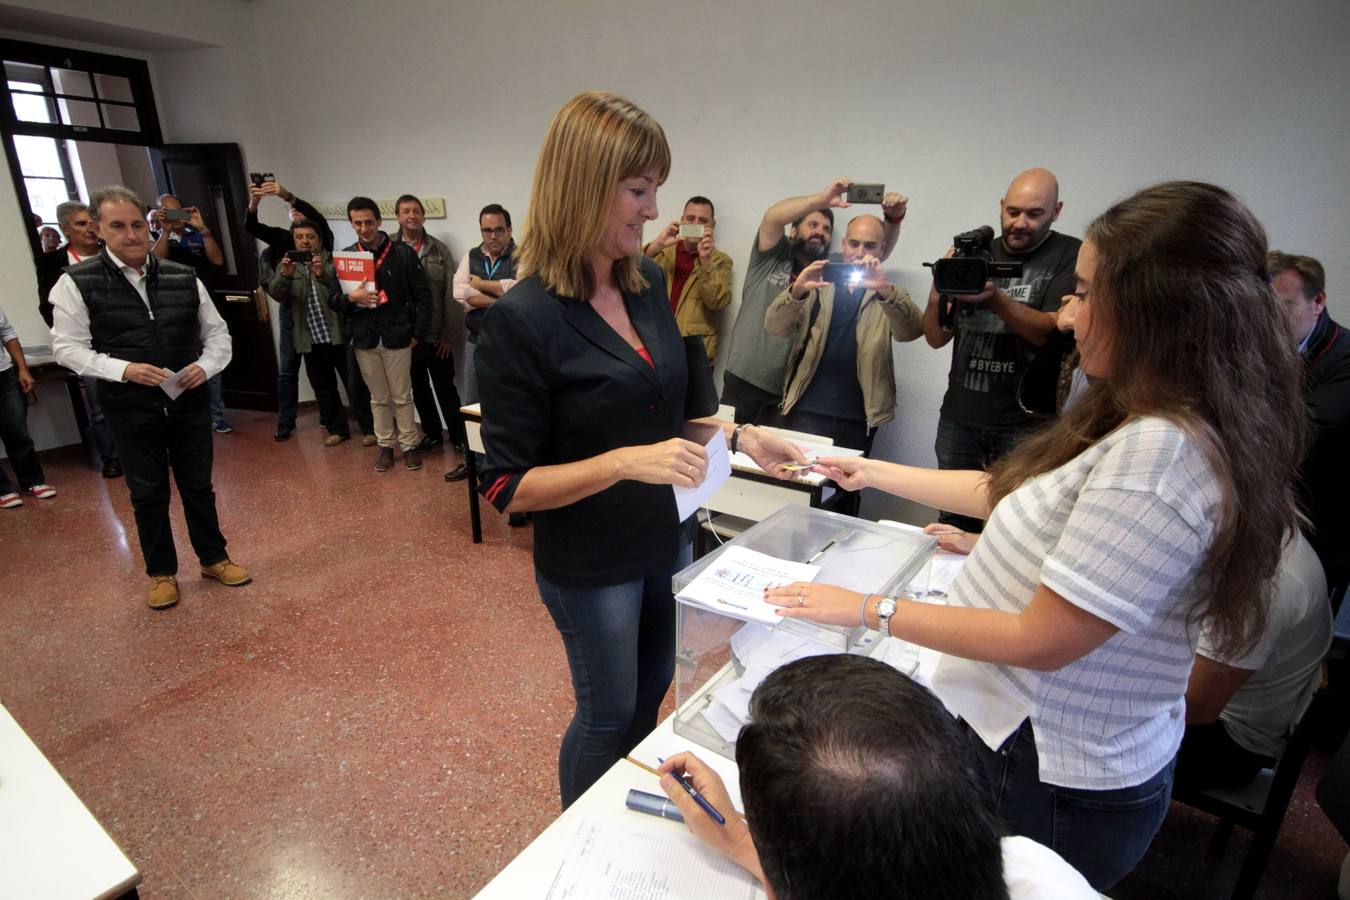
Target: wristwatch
{"x":885,"y":609}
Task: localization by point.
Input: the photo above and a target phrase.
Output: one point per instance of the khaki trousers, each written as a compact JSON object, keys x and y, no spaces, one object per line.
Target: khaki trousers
{"x":388,"y":375}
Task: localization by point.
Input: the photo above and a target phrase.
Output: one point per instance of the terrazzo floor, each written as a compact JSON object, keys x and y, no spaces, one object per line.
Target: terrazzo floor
{"x":377,"y":715}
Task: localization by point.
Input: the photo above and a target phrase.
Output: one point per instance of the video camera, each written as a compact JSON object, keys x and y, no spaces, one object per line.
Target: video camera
{"x":968,"y":270}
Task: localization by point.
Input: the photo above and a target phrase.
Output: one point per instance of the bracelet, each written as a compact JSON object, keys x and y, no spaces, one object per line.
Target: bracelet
{"x":736,"y":436}
{"x":862,"y":610}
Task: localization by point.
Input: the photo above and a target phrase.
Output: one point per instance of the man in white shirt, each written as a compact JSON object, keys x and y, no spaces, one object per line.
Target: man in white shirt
{"x":148,"y":329}
{"x":858,"y":783}
{"x":1240,"y":710}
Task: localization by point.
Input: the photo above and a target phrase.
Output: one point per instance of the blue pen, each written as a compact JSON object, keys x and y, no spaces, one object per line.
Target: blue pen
{"x":698,"y":798}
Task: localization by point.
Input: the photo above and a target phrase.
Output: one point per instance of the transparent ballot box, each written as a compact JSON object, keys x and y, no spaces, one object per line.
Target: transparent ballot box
{"x":719,"y":659}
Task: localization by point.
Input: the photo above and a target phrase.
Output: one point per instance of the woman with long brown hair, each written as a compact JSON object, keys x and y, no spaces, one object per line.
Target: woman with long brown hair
{"x":1157,"y":504}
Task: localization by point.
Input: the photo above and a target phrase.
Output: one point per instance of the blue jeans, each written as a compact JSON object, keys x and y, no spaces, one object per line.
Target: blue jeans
{"x":620,"y":643}
{"x":1102,"y":834}
{"x":961,"y":446}
{"x":98,"y":424}
{"x":288,"y":370}
{"x":14,"y":434}
{"x":217,"y":400}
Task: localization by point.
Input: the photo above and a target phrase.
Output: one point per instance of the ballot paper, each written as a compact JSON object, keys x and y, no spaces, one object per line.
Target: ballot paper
{"x":171,"y":385}
{"x":689,"y":500}
{"x":733,"y":584}
{"x":758,"y":650}
{"x":945,"y":566}
{"x":606,"y":860}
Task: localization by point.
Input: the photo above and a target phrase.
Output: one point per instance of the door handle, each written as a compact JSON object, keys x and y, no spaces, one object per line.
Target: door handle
{"x":238,"y":298}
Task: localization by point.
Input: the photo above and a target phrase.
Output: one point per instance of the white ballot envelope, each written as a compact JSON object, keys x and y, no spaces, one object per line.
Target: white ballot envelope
{"x":714,"y":441}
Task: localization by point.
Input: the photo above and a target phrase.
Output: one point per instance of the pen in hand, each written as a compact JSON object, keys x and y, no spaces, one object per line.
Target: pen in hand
{"x":698,"y":798}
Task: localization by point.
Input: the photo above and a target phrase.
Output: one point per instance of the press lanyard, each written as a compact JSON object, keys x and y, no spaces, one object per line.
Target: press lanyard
{"x":491,"y":270}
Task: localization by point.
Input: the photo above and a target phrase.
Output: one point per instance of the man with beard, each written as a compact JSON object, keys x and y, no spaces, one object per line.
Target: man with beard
{"x":753,"y":381}
{"x":998,"y":331}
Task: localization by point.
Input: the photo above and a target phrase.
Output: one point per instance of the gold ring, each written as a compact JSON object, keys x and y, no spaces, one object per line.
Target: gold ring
{"x":801,"y":601}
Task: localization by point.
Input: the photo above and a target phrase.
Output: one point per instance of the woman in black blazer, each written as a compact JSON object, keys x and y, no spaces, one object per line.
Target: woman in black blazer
{"x":583,"y":381}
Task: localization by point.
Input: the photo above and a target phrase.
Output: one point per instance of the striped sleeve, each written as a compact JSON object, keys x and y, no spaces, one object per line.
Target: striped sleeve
{"x":1133,"y":538}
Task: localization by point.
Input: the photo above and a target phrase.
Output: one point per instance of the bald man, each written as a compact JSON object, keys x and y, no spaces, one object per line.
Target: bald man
{"x":997,"y":332}
{"x":841,"y":318}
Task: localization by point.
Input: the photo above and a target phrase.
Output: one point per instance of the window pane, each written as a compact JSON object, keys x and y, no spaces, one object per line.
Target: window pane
{"x":38,"y":156}
{"x":24,"y":86}
{"x":123,"y":118}
{"x":72,"y":81}
{"x":33,"y":108}
{"x":27,"y":73}
{"x":44,"y":195}
{"x":79,"y":112}
{"x":113,"y":87}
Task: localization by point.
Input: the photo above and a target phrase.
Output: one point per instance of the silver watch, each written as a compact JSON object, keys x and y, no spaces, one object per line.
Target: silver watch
{"x":885,"y":609}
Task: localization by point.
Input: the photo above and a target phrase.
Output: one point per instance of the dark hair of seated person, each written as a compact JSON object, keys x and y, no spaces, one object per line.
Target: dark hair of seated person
{"x":858,"y":783}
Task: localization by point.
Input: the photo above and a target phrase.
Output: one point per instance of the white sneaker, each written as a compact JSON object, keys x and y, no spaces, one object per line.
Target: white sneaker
{"x":42,"y":491}
{"x":9,"y":501}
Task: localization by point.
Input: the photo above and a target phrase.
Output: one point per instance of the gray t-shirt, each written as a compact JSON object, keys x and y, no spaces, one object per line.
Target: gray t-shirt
{"x":756,"y":355}
{"x":1287,"y":659}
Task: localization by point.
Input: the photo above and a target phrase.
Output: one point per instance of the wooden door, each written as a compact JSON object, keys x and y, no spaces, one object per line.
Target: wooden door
{"x":212,"y":178}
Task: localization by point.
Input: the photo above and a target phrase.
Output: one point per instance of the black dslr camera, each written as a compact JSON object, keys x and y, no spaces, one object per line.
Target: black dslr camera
{"x":967,"y":272}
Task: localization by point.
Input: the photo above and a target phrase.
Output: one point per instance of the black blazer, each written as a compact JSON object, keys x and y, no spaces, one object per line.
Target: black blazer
{"x":49,"y":267}
{"x":407,"y":315}
{"x":559,"y":385}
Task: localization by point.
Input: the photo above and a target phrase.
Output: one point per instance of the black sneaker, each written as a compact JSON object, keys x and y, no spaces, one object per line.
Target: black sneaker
{"x":458,"y":473}
{"x":517,"y":520}
{"x":112,"y":469}
{"x":284,"y":433}
{"x":385,"y":460}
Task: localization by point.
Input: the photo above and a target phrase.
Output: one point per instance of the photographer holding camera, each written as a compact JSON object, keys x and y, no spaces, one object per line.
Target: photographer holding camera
{"x":306,"y":285}
{"x":753,"y":380}
{"x":842,"y":316}
{"x":998,"y":329}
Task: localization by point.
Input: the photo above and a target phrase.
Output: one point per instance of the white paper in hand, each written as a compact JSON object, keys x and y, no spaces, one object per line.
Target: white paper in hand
{"x":689,"y":500}
{"x":734,"y":583}
{"x":171,"y":384}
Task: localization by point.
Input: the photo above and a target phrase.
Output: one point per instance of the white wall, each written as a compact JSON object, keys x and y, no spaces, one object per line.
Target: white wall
{"x":942,"y":100}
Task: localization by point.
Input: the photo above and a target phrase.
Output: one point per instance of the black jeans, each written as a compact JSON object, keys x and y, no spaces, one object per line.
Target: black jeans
{"x":851,"y":433}
{"x":1210,"y":758}
{"x":325,"y":364}
{"x":153,"y":441}
{"x":288,"y":370}
{"x":358,"y":395}
{"x":14,"y":433}
{"x":430,"y":371}
{"x":961,"y":446}
{"x":752,"y":405}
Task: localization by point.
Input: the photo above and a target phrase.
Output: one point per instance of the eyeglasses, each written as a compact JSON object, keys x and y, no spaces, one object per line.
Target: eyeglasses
{"x":489,"y":232}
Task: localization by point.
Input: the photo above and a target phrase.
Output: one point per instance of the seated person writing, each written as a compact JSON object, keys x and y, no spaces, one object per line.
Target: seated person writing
{"x":857,"y":783}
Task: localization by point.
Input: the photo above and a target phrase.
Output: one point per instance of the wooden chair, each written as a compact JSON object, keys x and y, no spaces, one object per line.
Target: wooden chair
{"x":1259,"y":806}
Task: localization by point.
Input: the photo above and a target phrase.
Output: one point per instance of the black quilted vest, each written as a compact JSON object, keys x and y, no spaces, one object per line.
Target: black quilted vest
{"x":122,"y":327}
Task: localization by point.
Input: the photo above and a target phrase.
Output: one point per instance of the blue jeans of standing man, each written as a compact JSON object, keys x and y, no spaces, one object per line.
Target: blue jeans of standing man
{"x":620,"y":643}
{"x":98,"y":424}
{"x":14,"y":434}
{"x":1102,"y":834}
